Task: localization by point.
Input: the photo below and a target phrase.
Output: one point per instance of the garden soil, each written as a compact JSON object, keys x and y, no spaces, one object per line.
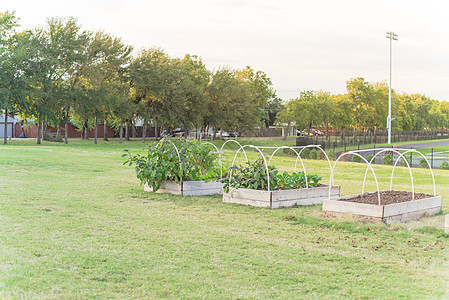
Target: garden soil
{"x":387,"y":197}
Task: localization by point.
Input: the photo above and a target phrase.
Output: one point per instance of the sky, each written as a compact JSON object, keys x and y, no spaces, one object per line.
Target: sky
{"x":300,"y":45}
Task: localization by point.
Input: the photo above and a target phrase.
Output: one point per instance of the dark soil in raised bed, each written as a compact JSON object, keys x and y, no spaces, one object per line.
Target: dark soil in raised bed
{"x":387,"y":197}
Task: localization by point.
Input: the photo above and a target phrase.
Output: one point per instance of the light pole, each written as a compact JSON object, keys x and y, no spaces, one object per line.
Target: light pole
{"x":392,"y":36}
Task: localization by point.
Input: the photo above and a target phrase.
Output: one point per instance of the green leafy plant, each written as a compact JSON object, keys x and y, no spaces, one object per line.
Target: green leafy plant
{"x":356,"y":158}
{"x":404,"y":161}
{"x":369,"y":157}
{"x":195,"y":162}
{"x":388,"y":159}
{"x":331,"y":154}
{"x":445,"y":165}
{"x":254,"y":176}
{"x":314,"y":154}
{"x":423,"y":163}
{"x":305,"y":153}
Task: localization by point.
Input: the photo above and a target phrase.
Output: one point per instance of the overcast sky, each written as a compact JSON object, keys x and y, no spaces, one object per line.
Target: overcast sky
{"x":300,"y":45}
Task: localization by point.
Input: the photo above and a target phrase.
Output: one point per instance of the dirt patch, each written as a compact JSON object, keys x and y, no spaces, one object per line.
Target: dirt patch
{"x":387,"y":197}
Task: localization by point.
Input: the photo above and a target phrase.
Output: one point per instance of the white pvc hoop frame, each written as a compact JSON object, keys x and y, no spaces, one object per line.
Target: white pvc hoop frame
{"x":221,"y":153}
{"x":383,"y":150}
{"x":264,"y":161}
{"x":298,"y":156}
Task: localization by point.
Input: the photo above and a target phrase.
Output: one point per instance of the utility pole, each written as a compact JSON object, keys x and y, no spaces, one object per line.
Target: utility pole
{"x":392,"y":36}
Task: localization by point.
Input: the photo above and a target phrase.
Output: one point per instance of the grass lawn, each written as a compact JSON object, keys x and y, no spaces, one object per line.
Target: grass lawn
{"x":75,"y":223}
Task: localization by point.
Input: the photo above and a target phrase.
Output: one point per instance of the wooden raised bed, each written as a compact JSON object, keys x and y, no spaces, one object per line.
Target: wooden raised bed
{"x":188,"y":188}
{"x":388,"y":213}
{"x":280,"y":198}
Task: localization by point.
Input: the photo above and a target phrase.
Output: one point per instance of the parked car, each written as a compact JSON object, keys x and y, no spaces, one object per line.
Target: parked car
{"x":300,"y":133}
{"x":234,"y":134}
{"x":223,"y":134}
{"x":315,"y":132}
{"x":178,"y":132}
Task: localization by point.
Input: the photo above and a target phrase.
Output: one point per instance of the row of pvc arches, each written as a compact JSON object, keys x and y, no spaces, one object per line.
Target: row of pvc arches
{"x":298,"y":150}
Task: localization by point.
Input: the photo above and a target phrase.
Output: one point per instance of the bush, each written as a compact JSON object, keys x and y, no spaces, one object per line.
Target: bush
{"x":305,"y":153}
{"x":445,"y":165}
{"x":388,"y":159}
{"x":314,"y":154}
{"x":403,"y":161}
{"x":369,"y":157}
{"x":331,"y":154}
{"x":356,"y":158}
{"x":53,"y":138}
{"x":288,"y":152}
{"x":423,"y":163}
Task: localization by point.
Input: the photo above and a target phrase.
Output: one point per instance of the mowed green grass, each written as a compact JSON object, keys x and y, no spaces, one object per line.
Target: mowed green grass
{"x":75,"y":223}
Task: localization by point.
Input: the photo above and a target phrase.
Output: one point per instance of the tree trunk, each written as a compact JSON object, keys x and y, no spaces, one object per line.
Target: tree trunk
{"x":39,"y":131}
{"x":127,"y":131}
{"x":44,"y":133}
{"x":214,"y":134}
{"x":144,"y":130}
{"x":96,"y":129}
{"x":5,"y":137}
{"x":121,"y":132}
{"x":133,"y":127}
{"x":286,"y":132}
{"x":86,"y":132}
{"x":105,"y":134}
{"x":66,"y":133}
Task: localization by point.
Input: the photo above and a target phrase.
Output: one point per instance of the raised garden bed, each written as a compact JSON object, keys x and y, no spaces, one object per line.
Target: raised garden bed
{"x":188,"y":188}
{"x":280,"y":198}
{"x":395,"y":206}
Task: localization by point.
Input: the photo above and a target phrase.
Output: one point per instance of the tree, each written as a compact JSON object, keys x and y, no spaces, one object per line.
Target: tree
{"x":361,"y":94}
{"x":342,"y":117}
{"x":194,"y":80}
{"x":105,"y":76}
{"x":273,"y":107}
{"x":155,"y":78}
{"x":54,"y":57}
{"x":286,"y":116}
{"x":10,"y":81}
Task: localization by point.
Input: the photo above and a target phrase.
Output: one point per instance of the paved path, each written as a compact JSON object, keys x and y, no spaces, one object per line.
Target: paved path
{"x":426,"y":145}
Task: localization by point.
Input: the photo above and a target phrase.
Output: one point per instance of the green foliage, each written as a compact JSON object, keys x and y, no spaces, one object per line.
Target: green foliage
{"x":356,"y":158}
{"x":388,"y":159}
{"x":305,"y":153}
{"x":53,"y":138}
{"x":445,"y":165}
{"x":313,"y":154}
{"x":423,"y":163}
{"x":195,"y":162}
{"x":288,"y":152}
{"x":405,"y":161}
{"x":369,"y":157}
{"x":254,"y":176}
{"x":331,"y":154}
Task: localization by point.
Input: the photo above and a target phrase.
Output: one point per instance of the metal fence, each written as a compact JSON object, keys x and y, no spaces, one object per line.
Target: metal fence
{"x":357,"y":139}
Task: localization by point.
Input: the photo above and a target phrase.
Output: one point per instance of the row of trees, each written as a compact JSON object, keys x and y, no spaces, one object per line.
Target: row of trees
{"x":364,"y":107}
{"x":60,"y":74}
